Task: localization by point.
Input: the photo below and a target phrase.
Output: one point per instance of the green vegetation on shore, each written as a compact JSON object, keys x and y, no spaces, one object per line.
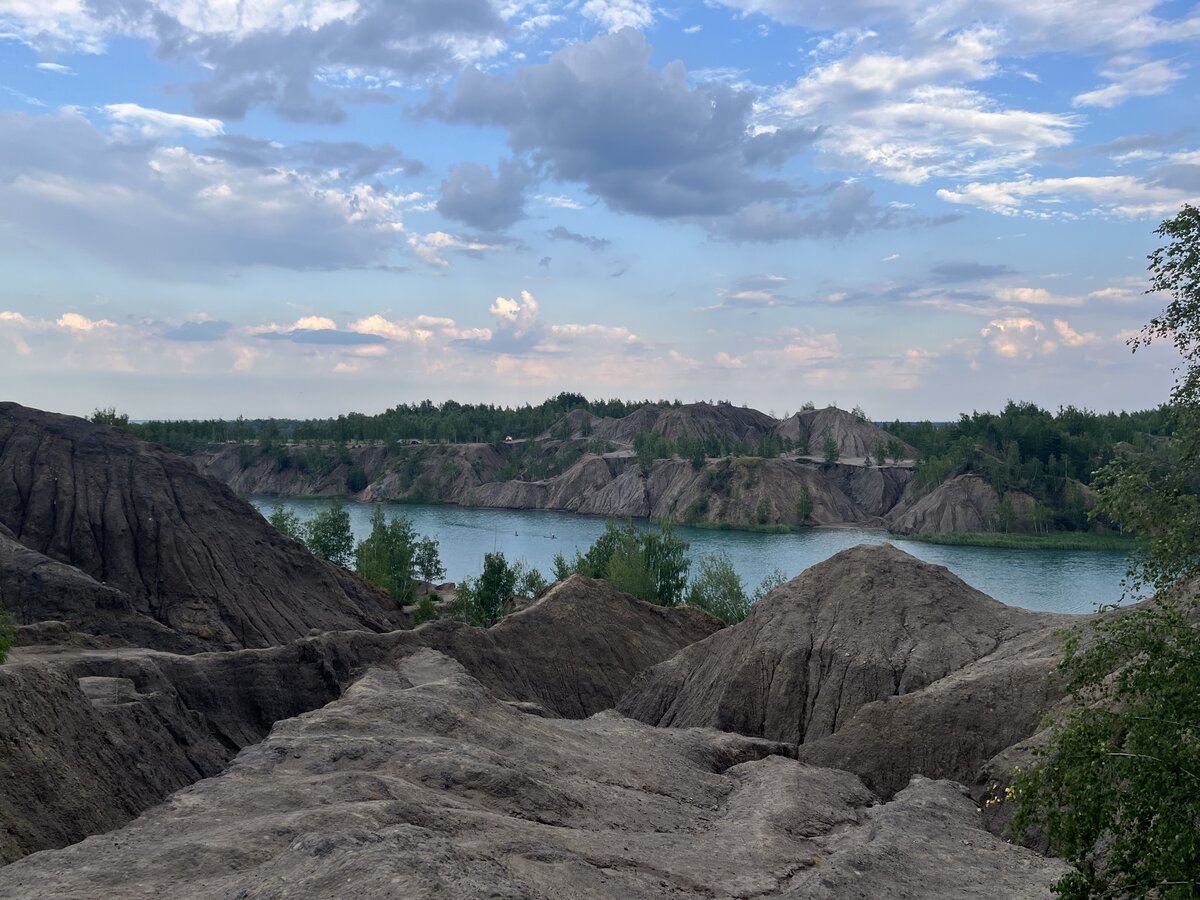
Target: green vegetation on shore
{"x":1054,"y":540}
{"x":1114,"y":788}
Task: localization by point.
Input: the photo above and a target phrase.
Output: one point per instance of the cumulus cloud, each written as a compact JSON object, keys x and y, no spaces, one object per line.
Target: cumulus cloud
{"x":155,"y":208}
{"x":76,"y":322}
{"x":1016,"y":337}
{"x":1072,"y":338}
{"x":645,"y":141}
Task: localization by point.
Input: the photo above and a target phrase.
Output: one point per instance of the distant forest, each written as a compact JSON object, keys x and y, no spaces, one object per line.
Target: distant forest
{"x":1024,"y":447}
{"x":450,"y":422}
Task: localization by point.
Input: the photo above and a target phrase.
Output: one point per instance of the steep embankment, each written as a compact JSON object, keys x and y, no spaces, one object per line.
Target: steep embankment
{"x":826,"y":655}
{"x":183,"y":549}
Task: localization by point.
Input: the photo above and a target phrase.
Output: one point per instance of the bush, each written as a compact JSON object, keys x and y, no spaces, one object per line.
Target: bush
{"x":286,"y":522}
{"x":652,"y":565}
{"x":717,"y":589}
{"x":425,"y":610}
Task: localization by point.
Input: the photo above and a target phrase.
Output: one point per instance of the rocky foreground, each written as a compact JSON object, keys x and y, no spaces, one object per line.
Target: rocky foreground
{"x":590,"y":745}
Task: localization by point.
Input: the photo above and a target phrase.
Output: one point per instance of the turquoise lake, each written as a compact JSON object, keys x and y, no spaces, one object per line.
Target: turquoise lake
{"x":1053,"y":580}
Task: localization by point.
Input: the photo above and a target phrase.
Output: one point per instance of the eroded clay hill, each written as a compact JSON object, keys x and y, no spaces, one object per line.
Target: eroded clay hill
{"x":417,"y":782}
{"x":854,"y":437}
{"x":857,"y":645}
{"x":91,"y":734}
{"x":180,"y":547}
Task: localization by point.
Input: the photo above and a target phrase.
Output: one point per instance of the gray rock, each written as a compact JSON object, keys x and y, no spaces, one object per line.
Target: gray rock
{"x":417,"y":782}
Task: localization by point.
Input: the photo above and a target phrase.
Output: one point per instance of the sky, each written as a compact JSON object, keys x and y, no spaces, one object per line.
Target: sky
{"x":307,"y":207}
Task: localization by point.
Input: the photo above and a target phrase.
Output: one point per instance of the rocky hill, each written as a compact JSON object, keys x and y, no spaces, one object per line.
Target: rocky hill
{"x":182,"y":548}
{"x":870,"y":624}
{"x":855,"y":438}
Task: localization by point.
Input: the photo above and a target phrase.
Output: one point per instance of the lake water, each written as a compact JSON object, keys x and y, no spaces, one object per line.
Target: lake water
{"x":1054,"y":580}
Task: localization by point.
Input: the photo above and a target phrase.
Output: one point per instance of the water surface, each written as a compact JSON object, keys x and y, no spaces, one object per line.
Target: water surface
{"x":1053,"y":580}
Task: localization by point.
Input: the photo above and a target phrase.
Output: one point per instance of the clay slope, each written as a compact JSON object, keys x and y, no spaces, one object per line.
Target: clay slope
{"x":182,"y":547}
{"x":574,"y":651}
{"x":418,"y":783}
{"x":94,"y":736}
{"x":855,"y":437}
{"x":962,"y":503}
{"x":868,"y":624}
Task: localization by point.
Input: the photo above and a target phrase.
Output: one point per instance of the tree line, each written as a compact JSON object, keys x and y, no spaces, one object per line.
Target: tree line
{"x":652,"y":564}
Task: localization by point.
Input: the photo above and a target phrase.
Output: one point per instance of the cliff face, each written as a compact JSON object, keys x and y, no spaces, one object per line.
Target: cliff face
{"x":964,"y":503}
{"x":183,"y":549}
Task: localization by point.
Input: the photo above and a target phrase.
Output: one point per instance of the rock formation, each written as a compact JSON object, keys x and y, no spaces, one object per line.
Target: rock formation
{"x":416,"y":782}
{"x":855,"y":438}
{"x":182,"y":548}
{"x":963,"y":503}
{"x":94,"y":735}
{"x":870,"y":634}
{"x":575,"y":650}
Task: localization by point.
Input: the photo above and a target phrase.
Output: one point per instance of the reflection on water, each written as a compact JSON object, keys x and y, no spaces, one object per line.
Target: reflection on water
{"x":1055,"y":580}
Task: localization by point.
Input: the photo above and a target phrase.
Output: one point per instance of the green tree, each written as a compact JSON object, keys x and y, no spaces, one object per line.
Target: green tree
{"x":829,"y":449}
{"x":427,"y":560}
{"x":527,"y":581}
{"x":771,"y":580}
{"x":328,"y":534}
{"x":717,"y":589}
{"x":387,"y":556}
{"x":481,"y":600}
{"x":110,"y":416}
{"x":286,"y":522}
{"x":1116,"y":790}
{"x":804,"y":505}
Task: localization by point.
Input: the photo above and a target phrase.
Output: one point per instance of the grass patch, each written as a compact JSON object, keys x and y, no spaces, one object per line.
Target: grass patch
{"x":1055,"y":540}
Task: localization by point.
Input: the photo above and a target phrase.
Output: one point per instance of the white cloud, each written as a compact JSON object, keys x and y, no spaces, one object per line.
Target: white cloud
{"x":1016,"y":337}
{"x":909,"y":118}
{"x":1072,"y":338}
{"x":76,"y":322}
{"x":154,"y":123}
{"x":617,"y":14}
{"x":1122,"y":195}
{"x":1031,"y":296}
{"x":1146,"y":80}
{"x":56,"y":68}
{"x":434,"y":246}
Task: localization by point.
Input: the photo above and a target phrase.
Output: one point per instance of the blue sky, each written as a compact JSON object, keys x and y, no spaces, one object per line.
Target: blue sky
{"x":308,"y":207}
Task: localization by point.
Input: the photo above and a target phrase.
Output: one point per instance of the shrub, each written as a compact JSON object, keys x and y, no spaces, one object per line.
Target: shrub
{"x":425,"y":610}
{"x":717,"y":589}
